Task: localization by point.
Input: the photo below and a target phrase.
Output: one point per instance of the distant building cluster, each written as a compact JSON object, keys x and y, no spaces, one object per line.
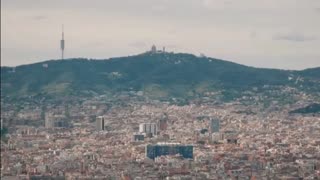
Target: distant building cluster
{"x":130,"y":139}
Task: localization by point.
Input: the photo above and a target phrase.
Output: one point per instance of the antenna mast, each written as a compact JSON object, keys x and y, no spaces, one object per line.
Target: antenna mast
{"x":62,"y":43}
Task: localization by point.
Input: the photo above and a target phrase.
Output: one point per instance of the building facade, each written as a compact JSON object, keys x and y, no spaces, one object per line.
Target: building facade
{"x":148,"y":128}
{"x":56,"y":121}
{"x":100,"y":123}
{"x":156,"y":150}
{"x":214,"y":125}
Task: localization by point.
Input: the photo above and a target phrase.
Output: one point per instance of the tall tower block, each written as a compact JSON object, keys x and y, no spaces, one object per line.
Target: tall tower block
{"x":62,"y":44}
{"x":100,"y":123}
{"x":214,"y":125}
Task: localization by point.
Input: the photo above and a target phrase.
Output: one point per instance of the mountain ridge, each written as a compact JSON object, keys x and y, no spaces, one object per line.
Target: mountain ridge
{"x":112,"y":58}
{"x":156,"y":74}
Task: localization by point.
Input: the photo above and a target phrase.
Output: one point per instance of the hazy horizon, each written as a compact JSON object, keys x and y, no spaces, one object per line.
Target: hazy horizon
{"x":274,"y":34}
{"x":108,"y":58}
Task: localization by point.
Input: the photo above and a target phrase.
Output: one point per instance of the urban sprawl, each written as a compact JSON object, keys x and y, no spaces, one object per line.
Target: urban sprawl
{"x":135,"y":140}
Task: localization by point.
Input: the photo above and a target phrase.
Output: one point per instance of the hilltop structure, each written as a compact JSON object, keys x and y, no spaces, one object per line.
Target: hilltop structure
{"x":154,"y":50}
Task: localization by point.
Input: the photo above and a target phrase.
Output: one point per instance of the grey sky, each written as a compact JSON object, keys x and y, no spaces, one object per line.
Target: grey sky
{"x":273,"y":33}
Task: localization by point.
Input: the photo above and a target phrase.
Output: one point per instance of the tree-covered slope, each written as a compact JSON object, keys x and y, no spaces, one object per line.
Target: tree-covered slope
{"x":158,"y":75}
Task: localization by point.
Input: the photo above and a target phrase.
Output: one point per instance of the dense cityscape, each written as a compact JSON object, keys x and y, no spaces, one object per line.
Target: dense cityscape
{"x":150,"y":139}
{"x":160,"y":90}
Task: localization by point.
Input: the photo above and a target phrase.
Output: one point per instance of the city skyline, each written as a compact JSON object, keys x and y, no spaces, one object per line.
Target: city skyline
{"x":270,"y":34}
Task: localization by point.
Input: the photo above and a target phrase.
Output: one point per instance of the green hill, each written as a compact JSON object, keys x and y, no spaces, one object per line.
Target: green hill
{"x":159,"y":75}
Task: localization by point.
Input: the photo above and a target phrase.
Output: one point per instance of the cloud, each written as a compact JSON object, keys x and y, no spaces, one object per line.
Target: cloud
{"x":39,"y":18}
{"x":294,"y":37}
{"x":317,"y":10}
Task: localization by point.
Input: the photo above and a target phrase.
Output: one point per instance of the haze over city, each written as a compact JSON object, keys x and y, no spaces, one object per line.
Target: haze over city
{"x":274,"y":34}
{"x":160,"y":89}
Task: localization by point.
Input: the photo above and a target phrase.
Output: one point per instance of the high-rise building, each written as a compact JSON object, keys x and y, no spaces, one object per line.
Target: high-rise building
{"x":100,"y":123}
{"x":148,"y":128}
{"x":163,"y":149}
{"x":153,"y":129}
{"x":163,"y":122}
{"x":142,"y":128}
{"x":214,"y":125}
{"x":49,"y":121}
{"x":56,"y":121}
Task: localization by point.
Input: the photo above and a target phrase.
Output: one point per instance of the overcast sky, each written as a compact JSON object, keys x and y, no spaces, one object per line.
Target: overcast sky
{"x":262,"y":33}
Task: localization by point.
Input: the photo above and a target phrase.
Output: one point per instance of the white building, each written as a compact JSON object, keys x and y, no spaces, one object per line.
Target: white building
{"x":148,"y":128}
{"x":100,"y":123}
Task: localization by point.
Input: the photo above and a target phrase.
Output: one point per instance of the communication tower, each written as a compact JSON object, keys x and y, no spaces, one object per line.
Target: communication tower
{"x":62,"y":44}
